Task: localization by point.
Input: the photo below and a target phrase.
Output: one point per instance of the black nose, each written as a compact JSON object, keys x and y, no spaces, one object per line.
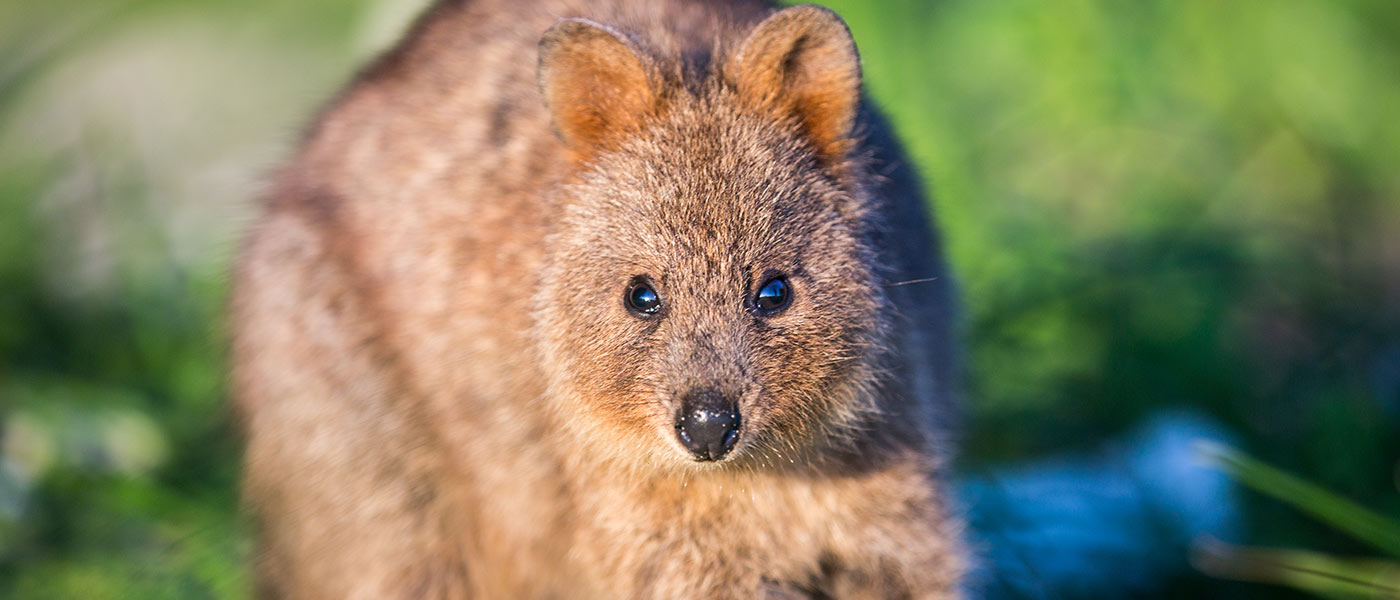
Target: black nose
{"x":708,"y":424}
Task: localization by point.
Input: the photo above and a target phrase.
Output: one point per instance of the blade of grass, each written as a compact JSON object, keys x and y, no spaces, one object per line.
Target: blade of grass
{"x":1319,"y":574}
{"x":1330,"y":508}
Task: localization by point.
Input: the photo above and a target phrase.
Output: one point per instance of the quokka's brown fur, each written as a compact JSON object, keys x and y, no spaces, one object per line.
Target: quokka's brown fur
{"x":445,"y":394}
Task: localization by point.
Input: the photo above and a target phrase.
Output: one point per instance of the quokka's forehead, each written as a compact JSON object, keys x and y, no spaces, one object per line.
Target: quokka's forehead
{"x":712,"y":209}
{"x":695,"y":171}
{"x":716,"y":135}
{"x":733,"y":246}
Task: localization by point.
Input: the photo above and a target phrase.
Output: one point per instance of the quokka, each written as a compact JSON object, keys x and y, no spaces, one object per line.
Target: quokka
{"x":599,"y":300}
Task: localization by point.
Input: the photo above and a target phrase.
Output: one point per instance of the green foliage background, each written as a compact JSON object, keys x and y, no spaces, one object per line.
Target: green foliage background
{"x":1150,"y":205}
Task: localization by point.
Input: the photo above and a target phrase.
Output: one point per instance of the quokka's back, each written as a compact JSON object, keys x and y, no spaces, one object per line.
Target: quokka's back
{"x":599,"y":299}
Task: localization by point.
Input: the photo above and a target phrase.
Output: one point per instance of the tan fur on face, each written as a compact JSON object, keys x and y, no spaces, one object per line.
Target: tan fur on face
{"x":708,"y":227}
{"x":445,"y":395}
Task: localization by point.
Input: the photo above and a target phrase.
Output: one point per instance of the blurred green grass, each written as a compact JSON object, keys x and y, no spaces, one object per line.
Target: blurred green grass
{"x":1149,"y":205}
{"x":1323,"y":575}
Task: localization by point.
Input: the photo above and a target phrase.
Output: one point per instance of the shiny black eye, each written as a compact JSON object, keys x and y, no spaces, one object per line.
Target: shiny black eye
{"x":642,"y":300}
{"x":773,"y":296}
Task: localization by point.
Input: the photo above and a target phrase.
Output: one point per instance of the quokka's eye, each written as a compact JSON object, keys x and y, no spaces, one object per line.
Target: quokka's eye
{"x":773,"y":296}
{"x":641,"y":299}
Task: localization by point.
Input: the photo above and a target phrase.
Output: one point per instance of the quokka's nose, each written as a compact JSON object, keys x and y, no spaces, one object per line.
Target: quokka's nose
{"x":708,"y":424}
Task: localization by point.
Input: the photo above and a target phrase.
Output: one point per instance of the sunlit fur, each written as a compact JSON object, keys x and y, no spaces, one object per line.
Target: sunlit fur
{"x":443,"y":391}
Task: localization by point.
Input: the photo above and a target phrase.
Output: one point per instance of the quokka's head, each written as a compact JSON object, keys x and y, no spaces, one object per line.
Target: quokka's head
{"x":711,"y":295}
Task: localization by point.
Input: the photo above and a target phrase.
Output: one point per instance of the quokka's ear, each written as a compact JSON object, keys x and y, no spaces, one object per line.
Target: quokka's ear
{"x":595,"y":84}
{"x":801,"y":61}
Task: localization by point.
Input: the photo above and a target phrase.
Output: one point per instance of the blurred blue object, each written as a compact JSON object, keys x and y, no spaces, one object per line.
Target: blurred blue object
{"x":1108,"y":524}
